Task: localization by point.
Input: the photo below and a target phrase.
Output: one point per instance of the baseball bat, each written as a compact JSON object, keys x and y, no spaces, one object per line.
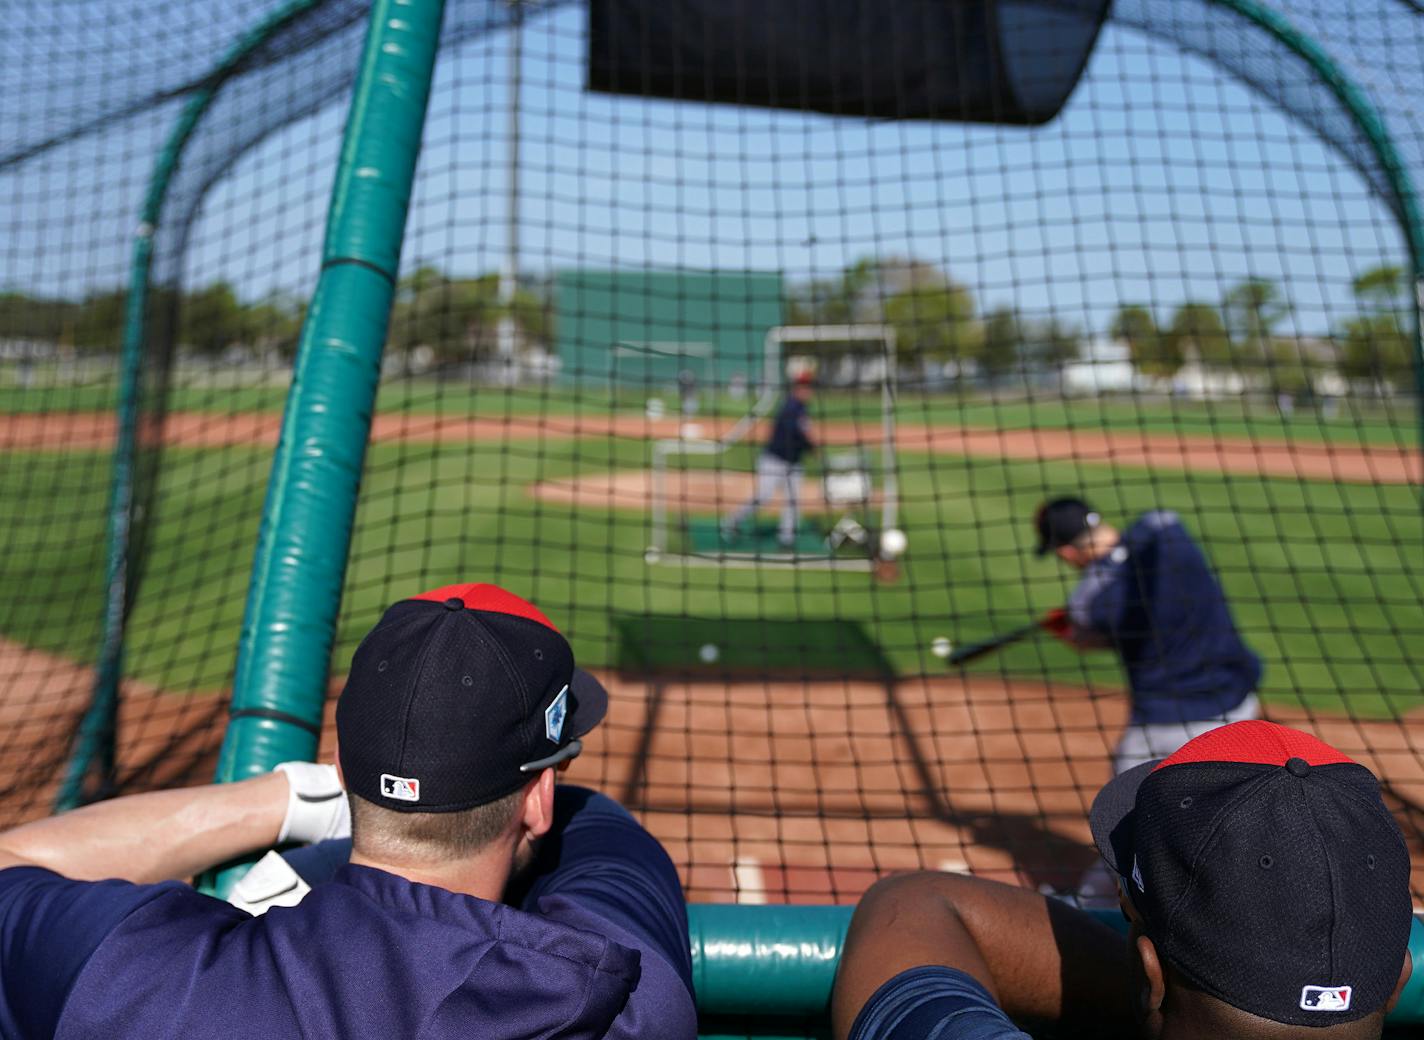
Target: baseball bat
{"x":965,"y":654}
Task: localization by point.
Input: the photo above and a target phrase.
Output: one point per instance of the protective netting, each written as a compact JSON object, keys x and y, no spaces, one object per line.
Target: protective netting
{"x":1189,"y":290}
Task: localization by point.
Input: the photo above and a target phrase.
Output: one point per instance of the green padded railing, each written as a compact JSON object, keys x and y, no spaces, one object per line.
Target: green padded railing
{"x":779,"y":962}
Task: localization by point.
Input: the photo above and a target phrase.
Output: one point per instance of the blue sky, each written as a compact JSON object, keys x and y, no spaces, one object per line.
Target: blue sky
{"x":1160,"y":182}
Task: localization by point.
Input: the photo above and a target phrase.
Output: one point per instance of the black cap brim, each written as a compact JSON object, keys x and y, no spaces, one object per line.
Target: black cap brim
{"x":1110,"y":815}
{"x":590,"y":703}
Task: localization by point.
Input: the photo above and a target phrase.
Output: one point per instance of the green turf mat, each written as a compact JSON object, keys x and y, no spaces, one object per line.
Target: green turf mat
{"x":746,"y":647}
{"x":705,"y":538}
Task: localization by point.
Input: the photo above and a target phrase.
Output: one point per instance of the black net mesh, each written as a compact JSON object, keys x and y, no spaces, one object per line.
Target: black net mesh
{"x":1189,"y":290}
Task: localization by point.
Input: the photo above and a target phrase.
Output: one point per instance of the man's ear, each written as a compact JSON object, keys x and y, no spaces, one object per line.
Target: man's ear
{"x":1154,"y":989}
{"x":538,"y":810}
{"x":1404,"y":974}
{"x":1067,"y":553}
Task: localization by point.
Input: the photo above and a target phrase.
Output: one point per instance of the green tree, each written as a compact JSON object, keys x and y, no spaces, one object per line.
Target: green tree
{"x":1197,"y":328}
{"x":835,"y":300}
{"x":1377,"y":349}
{"x":1381,"y":288}
{"x":1050,"y":343}
{"x":1153,"y":352}
{"x":1289,"y":370}
{"x":935,"y":322}
{"x":210,"y":319}
{"x":457,"y":317}
{"x":1254,"y":308}
{"x":1001,"y":342}
{"x":274,"y":323}
{"x":98,"y":322}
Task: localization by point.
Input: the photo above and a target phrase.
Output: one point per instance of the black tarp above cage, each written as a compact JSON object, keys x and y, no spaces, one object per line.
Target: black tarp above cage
{"x":987,"y":61}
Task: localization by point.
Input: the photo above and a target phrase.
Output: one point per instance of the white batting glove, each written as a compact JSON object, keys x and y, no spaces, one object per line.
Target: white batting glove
{"x":316,"y":804}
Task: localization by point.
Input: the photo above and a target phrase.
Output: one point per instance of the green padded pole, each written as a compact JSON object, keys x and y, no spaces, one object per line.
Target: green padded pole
{"x":297,"y":573}
{"x":93,"y":750}
{"x":780,"y":961}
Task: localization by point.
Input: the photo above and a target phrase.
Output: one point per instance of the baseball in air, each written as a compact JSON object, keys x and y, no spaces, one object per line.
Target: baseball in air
{"x":892,"y":542}
{"x":941,"y":647}
{"x":709,"y":653}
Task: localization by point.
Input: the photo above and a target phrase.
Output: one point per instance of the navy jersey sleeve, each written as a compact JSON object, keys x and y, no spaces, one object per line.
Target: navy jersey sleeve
{"x":599,"y":869}
{"x":933,"y":1002}
{"x":49,"y":928}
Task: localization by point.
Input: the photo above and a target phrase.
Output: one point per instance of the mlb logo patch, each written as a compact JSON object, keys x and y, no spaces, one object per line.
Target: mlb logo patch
{"x":555,"y":714}
{"x":1325,"y":998}
{"x":400,"y":788}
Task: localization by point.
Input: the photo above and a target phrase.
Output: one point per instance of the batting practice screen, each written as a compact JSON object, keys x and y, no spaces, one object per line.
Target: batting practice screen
{"x":1179,"y":280}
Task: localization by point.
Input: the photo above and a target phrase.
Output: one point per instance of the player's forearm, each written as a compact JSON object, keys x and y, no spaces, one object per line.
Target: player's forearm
{"x":1040,"y":959}
{"x":1049,"y":961}
{"x":154,"y":836}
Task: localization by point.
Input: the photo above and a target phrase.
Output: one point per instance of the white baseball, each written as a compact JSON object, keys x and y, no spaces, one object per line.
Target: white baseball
{"x":709,"y":653}
{"x":941,"y":647}
{"x":893,"y":542}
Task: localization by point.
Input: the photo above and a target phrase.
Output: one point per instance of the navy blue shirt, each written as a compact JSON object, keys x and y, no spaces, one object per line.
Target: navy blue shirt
{"x":1154,"y":599}
{"x":596,"y":951}
{"x":790,"y":432}
{"x":933,"y":1003}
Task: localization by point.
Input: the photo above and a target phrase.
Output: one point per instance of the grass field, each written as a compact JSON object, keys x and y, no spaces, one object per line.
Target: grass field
{"x":1325,"y":579}
{"x":1357,"y":421}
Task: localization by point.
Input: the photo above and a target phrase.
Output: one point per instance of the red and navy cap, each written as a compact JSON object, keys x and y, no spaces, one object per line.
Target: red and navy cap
{"x":459,"y":696}
{"x":1266,"y":869}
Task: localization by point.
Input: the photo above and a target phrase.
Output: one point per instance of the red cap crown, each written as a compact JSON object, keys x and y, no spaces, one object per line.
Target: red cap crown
{"x":482,"y":596}
{"x":1257,"y":742}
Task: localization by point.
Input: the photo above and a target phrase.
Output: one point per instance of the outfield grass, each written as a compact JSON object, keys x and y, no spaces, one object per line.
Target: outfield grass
{"x":1357,"y":421}
{"x":1325,"y":579}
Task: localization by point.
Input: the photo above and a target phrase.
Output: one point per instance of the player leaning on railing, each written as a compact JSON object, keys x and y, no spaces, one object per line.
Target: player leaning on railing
{"x":461,"y":706}
{"x":1265,"y":882}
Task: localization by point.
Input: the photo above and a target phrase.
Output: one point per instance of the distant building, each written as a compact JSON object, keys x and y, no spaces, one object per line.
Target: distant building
{"x":1105,"y":366}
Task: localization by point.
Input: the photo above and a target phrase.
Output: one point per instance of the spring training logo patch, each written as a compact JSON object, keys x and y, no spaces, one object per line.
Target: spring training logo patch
{"x":1325,"y":998}
{"x":555,"y":714}
{"x":400,"y":788}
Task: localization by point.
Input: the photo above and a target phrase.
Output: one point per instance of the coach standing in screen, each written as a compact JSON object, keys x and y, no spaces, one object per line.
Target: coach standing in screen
{"x":779,"y":468}
{"x":1148,"y":593}
{"x":461,"y":706}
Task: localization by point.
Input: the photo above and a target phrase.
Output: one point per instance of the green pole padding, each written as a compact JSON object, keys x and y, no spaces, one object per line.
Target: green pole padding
{"x":93,"y":749}
{"x":772,"y":960}
{"x":780,"y":961}
{"x":292,"y":603}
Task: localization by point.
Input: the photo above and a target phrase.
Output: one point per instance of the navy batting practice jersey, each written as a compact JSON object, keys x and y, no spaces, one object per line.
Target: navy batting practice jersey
{"x":1156,"y":601}
{"x":933,"y":1001}
{"x":366,"y":955}
{"x":789,"y":438}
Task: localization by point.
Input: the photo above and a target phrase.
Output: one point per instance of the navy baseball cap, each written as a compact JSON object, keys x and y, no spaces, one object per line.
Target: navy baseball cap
{"x":458,"y":697}
{"x":1266,"y":869}
{"x":1061,"y":521}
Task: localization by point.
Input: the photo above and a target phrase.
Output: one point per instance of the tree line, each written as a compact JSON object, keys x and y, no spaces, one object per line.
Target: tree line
{"x":935,"y":318}
{"x":1243,"y":332}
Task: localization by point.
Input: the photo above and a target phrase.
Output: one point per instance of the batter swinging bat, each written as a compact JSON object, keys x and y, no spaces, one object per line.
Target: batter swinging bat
{"x":965,"y":654}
